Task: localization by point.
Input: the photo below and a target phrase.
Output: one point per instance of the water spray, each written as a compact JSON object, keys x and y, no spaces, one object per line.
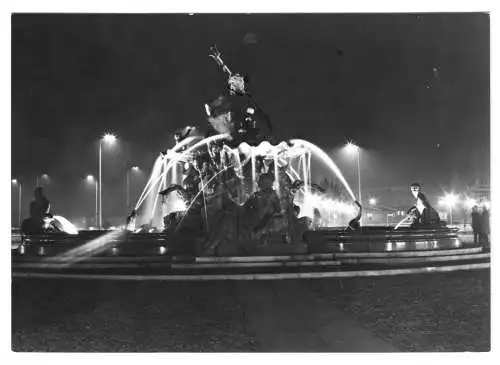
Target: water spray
{"x":201,"y":190}
{"x":327,"y":160}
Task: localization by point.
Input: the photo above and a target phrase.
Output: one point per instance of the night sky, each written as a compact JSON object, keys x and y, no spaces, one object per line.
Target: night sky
{"x":412,"y":90}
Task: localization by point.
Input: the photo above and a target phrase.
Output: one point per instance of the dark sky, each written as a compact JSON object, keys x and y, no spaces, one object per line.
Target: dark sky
{"x":412,"y":90}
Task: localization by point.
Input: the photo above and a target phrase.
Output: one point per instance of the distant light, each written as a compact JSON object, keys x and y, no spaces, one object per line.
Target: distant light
{"x":109,"y":138}
{"x":135,"y":168}
{"x":372,"y":201}
{"x":14,"y":181}
{"x":162,"y":250}
{"x":470,"y":202}
{"x":114,"y":251}
{"x":351,"y":147}
{"x":44,"y":176}
{"x":449,"y":200}
{"x":486,"y":204}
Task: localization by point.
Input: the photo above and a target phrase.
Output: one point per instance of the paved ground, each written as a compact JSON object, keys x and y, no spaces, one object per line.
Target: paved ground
{"x":438,"y":312}
{"x":288,"y":316}
{"x":378,"y":314}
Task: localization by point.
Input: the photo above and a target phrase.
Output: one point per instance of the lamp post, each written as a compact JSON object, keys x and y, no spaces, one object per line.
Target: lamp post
{"x":91,"y":179}
{"x":127,"y":180}
{"x":352,"y":148}
{"x":20,"y":199}
{"x":109,"y":139}
{"x":449,"y":200}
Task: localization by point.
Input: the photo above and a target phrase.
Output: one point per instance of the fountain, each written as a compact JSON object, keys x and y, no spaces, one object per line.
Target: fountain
{"x":236,"y":191}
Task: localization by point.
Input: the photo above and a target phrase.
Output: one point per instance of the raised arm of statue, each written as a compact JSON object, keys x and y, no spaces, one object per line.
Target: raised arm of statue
{"x":216,"y":55}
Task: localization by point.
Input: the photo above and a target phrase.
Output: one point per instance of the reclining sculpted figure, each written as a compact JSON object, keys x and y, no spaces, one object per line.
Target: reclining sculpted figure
{"x":424,"y":214}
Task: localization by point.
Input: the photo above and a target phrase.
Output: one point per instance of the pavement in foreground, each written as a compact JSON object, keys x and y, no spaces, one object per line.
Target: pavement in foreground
{"x":431,"y":312}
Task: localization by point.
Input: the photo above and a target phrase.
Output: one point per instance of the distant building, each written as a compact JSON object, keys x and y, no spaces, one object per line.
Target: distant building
{"x":479,"y":191}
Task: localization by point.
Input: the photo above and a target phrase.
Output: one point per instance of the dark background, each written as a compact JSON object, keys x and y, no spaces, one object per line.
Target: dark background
{"x":411,"y":89}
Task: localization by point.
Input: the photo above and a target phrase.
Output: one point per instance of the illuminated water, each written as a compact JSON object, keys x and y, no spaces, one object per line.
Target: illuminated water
{"x":294,"y":157}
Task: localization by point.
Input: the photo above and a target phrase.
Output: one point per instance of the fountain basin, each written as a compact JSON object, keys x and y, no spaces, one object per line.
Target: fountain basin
{"x":324,"y":253}
{"x":382,"y":238}
{"x":322,"y":240}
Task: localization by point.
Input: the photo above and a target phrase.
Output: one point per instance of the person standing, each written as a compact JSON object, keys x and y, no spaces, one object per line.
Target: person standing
{"x":485,"y":226}
{"x":476,"y":223}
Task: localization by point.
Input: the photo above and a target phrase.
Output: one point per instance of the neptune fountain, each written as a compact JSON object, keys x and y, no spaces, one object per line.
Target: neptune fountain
{"x":232,"y":191}
{"x":235,"y":184}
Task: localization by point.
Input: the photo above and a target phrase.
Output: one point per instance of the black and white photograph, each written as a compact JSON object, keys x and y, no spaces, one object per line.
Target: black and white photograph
{"x":262,"y":182}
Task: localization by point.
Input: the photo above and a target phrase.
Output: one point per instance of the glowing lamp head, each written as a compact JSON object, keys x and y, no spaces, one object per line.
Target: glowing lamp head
{"x":90,"y":178}
{"x":351,"y":147}
{"x":449,"y":200}
{"x":372,"y":201}
{"x":109,"y":138}
{"x":14,"y":181}
{"x":135,"y":168}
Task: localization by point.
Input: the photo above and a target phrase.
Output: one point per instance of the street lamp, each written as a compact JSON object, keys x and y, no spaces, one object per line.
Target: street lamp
{"x":372,"y":201}
{"x":133,"y":168}
{"x":43,"y":177}
{"x":449,"y":200}
{"x":109,"y":139}
{"x":90,"y":179}
{"x":354,"y":149}
{"x":20,"y":204}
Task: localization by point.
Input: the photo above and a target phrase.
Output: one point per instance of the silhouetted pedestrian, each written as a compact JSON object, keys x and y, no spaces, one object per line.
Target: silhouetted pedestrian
{"x":484,"y":227}
{"x":476,"y":223}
